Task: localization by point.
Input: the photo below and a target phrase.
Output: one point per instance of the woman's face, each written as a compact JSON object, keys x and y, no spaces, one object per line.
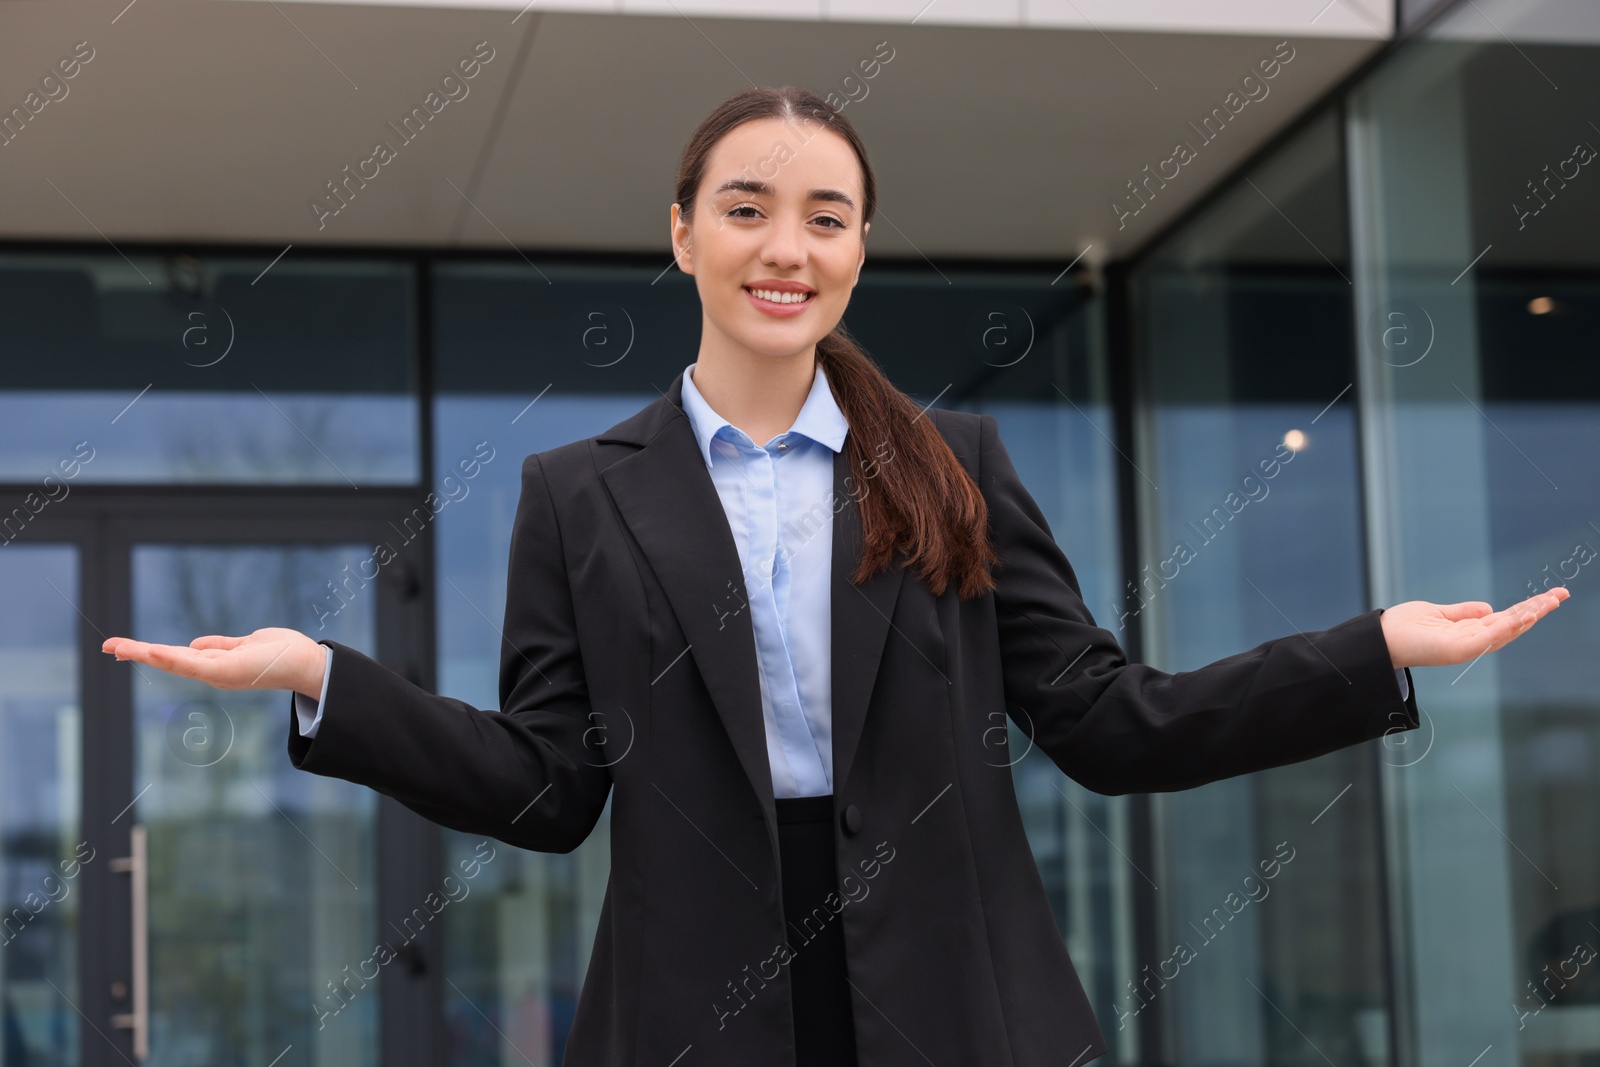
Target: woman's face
{"x":779,"y":207}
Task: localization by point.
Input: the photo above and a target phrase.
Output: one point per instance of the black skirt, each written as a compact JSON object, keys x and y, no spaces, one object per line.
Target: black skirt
{"x":823,"y":1027}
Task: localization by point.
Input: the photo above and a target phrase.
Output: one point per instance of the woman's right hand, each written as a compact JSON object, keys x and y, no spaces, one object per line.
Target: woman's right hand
{"x":270,"y":658}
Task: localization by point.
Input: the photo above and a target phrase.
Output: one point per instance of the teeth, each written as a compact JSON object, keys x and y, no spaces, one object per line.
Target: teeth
{"x":781,"y":298}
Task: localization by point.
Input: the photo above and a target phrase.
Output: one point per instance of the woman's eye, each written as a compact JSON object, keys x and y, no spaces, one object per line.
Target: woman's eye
{"x":837,"y":224}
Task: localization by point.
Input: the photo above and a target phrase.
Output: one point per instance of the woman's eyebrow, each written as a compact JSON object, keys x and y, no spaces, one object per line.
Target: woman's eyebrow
{"x":756,"y":187}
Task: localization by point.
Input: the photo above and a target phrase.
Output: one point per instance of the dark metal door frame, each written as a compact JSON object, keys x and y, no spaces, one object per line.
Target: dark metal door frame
{"x":105,"y":523}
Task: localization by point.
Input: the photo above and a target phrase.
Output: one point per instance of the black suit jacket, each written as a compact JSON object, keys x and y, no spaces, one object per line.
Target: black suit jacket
{"x":629,"y":671}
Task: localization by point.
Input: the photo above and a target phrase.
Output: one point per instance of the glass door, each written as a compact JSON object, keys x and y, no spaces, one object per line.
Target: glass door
{"x":176,"y":893}
{"x":42,"y":854}
{"x":259,"y":881}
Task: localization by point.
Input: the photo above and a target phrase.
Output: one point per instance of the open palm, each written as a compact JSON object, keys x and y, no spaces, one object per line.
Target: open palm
{"x":270,"y":658}
{"x":1421,"y":634}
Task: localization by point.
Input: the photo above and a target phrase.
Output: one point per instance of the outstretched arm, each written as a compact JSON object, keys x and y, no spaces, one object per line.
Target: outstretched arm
{"x":524,"y":775}
{"x":1118,"y":727}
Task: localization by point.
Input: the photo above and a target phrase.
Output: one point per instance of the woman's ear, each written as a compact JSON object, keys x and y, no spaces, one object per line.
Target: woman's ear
{"x":682,"y":242}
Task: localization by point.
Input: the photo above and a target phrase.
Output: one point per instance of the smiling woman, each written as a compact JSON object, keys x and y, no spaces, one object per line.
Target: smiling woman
{"x":849,"y":710}
{"x":775,"y":258}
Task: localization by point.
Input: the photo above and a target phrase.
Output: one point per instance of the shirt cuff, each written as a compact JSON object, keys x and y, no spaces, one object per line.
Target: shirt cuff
{"x":308,"y":716}
{"x":1399,"y":676}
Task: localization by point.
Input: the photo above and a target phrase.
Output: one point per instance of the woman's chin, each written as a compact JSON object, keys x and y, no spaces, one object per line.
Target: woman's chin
{"x":777,"y":339}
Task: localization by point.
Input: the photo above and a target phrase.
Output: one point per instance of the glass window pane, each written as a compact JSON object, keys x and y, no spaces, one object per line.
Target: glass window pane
{"x":1252,"y":531}
{"x":1472,"y":159}
{"x":41,"y":853}
{"x":243,"y":966}
{"x":174,"y":369}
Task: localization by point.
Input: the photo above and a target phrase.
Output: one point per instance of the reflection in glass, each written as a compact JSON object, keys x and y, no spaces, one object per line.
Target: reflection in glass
{"x":1474,"y":237}
{"x":176,"y":369}
{"x":41,"y":853}
{"x":262,"y":879}
{"x":1243,"y":325}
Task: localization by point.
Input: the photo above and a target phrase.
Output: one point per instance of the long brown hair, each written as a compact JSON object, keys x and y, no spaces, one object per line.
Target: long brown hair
{"x":914,"y":494}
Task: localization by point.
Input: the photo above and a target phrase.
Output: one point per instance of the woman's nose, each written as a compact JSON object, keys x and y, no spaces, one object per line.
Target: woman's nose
{"x":784,"y":247}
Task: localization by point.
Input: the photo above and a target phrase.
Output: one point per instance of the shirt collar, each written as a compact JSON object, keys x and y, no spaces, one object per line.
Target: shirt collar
{"x":820,"y":418}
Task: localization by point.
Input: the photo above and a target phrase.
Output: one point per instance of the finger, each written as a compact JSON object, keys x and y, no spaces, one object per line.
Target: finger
{"x":1517,"y":620}
{"x":216,"y":641}
{"x":118,"y":646}
{"x":174,"y":659}
{"x":1467,"y":609}
{"x":1516,"y":614}
{"x":1539,"y":605}
{"x":1503,"y":627}
{"x":126,"y":648}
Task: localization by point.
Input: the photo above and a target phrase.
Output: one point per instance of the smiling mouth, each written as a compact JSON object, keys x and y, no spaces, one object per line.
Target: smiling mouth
{"x":779,"y":297}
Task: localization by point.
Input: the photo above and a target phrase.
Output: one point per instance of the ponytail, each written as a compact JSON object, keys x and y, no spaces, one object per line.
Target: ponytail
{"x":915,"y":496}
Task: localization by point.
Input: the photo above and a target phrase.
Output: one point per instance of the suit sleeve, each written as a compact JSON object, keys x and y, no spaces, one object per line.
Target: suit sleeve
{"x":523,"y":774}
{"x":1118,"y":727}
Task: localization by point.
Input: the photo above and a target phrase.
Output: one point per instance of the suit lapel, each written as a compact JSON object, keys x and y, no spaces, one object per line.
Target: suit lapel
{"x":860,"y":618}
{"x":670,"y":504}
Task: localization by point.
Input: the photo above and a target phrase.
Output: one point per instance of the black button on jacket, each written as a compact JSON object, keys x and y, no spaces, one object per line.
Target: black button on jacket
{"x":628,"y":671}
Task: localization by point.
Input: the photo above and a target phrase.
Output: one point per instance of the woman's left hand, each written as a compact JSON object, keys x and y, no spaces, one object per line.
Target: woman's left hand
{"x":1421,"y":634}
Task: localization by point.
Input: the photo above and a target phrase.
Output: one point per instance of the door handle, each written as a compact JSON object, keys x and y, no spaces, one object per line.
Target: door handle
{"x":137,"y":867}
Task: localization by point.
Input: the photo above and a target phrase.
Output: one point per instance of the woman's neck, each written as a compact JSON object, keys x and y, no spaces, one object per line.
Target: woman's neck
{"x":761,"y":395}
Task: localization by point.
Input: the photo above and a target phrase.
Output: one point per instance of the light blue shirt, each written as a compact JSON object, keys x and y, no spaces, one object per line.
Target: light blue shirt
{"x":778,"y":498}
{"x":308,"y":716}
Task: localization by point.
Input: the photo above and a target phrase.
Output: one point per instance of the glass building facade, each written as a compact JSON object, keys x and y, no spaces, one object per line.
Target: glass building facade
{"x":1391,"y":308}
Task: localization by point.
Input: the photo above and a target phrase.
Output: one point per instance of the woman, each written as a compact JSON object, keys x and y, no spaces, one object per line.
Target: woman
{"x":814,"y":830}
